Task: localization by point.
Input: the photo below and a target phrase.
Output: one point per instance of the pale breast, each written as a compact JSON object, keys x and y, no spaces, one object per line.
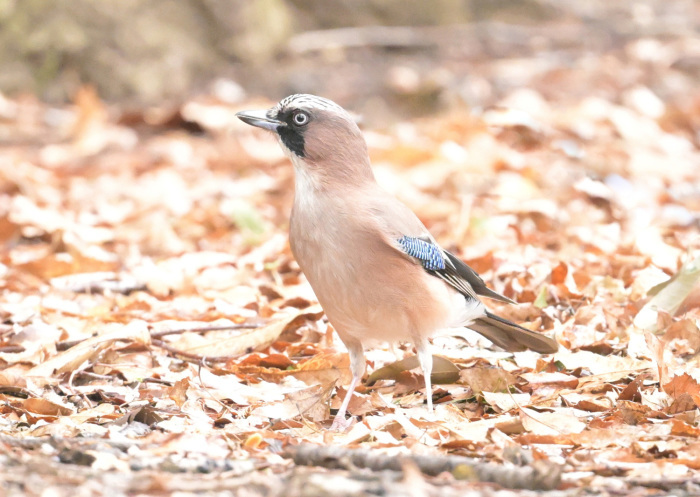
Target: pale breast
{"x":367,"y":288}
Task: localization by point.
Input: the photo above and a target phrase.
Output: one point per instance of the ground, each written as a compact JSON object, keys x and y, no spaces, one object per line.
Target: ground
{"x":158,"y":337}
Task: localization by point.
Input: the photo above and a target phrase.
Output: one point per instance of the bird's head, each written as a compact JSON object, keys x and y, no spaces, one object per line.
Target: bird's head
{"x":318,"y":135}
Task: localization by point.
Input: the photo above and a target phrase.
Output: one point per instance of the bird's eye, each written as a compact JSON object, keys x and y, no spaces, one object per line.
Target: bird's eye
{"x":300,"y":118}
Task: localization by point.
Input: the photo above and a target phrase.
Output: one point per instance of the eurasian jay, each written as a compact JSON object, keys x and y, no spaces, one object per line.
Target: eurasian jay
{"x":376,"y":270}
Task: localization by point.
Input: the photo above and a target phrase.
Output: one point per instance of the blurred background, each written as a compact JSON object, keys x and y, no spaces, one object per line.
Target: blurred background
{"x":554,"y":145}
{"x":385,"y":59}
{"x":557,"y":130}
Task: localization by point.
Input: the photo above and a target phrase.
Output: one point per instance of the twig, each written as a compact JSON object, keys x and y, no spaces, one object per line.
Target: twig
{"x":540,"y":475}
{"x":666,"y":484}
{"x":60,"y":442}
{"x":67,"y":344}
{"x":16,"y":391}
{"x":12,"y":349}
{"x":189,"y":356}
{"x":204,"y":329}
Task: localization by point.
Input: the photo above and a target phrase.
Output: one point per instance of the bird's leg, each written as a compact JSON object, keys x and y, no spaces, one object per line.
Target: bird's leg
{"x":357,"y":367}
{"x":425,"y":358}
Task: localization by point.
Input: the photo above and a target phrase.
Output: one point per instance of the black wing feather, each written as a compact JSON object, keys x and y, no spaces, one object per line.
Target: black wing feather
{"x":442,"y":264}
{"x":464,"y":272}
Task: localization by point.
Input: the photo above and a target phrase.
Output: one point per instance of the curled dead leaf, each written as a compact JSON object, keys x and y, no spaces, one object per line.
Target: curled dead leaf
{"x":46,"y":407}
{"x":681,"y":384}
{"x":178,"y":392}
{"x":240,"y":343}
{"x":669,"y":296}
{"x":73,"y":358}
{"x":538,"y":380}
{"x":487,"y":379}
{"x":444,"y":370}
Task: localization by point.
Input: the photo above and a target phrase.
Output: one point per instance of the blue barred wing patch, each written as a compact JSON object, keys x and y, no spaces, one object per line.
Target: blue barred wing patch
{"x":428,"y":253}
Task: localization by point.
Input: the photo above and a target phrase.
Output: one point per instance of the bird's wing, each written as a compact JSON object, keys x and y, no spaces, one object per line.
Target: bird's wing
{"x":444,"y":265}
{"x":400,"y":225}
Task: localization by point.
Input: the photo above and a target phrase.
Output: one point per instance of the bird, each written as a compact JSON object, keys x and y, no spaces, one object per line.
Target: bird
{"x":376,"y":270}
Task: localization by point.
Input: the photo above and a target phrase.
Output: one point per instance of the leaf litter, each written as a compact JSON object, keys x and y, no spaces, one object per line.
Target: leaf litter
{"x":153,"y":316}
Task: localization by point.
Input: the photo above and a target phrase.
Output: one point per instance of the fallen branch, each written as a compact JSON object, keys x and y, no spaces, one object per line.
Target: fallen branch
{"x":204,"y":329}
{"x":67,"y":344}
{"x":61,"y":442}
{"x":541,"y":475}
{"x":11,"y":349}
{"x":189,"y":356}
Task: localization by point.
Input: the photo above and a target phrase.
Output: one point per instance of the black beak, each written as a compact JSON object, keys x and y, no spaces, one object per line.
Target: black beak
{"x":259,"y":119}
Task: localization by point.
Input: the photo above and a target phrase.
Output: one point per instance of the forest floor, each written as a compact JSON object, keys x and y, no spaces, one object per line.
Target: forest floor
{"x":157,"y":336}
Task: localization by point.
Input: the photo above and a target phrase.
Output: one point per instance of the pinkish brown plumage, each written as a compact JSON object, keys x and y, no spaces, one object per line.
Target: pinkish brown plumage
{"x":376,"y":270}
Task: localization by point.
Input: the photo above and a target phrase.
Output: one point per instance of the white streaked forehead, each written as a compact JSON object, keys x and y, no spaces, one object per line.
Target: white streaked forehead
{"x":305,"y":101}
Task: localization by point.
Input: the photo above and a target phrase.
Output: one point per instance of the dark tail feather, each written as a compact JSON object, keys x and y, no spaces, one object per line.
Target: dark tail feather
{"x":512,"y":337}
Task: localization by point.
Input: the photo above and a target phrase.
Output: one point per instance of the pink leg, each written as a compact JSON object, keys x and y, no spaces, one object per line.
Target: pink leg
{"x":357,"y":366}
{"x":425,"y":358}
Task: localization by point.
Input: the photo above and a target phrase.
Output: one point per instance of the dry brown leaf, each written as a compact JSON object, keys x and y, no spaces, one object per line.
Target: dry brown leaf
{"x":481,"y":379}
{"x":588,"y":402}
{"x":311,"y":403}
{"x":669,"y":295}
{"x":560,"y":380}
{"x":98,"y":414}
{"x":682,"y":384}
{"x":683,"y":337}
{"x":279,"y":361}
{"x":632,"y":413}
{"x":444,"y":371}
{"x":632,"y":390}
{"x":561,"y":421}
{"x":683,"y":403}
{"x":681,"y":429}
{"x":46,"y":408}
{"x":235,"y":346}
{"x":324,"y":367}
{"x":73,"y":358}
{"x":178,"y":392}
{"x":506,"y":401}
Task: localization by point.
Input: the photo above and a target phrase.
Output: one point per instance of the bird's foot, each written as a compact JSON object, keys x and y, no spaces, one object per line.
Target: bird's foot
{"x":429,"y":415}
{"x":341,"y":424}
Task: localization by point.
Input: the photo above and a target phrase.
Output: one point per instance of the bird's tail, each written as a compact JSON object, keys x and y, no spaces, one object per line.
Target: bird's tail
{"x":512,"y":337}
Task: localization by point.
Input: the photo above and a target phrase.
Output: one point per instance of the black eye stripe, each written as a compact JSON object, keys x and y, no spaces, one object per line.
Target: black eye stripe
{"x":292,"y":135}
{"x":293,"y":139}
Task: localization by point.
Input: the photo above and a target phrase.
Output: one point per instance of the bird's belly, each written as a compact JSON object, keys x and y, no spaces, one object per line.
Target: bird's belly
{"x":371,"y":303}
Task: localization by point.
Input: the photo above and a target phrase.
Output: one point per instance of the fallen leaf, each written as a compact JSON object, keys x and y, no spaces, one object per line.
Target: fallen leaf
{"x":73,"y":358}
{"x":240,"y":343}
{"x":562,"y":421}
{"x":669,"y":296}
{"x":632,"y":390}
{"x":683,"y":403}
{"x":537,"y":380}
{"x":311,"y":403}
{"x":681,"y":429}
{"x":178,"y":392}
{"x":682,"y":384}
{"x":481,"y":379}
{"x":46,"y":408}
{"x":444,"y":371}
{"x":506,"y":401}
